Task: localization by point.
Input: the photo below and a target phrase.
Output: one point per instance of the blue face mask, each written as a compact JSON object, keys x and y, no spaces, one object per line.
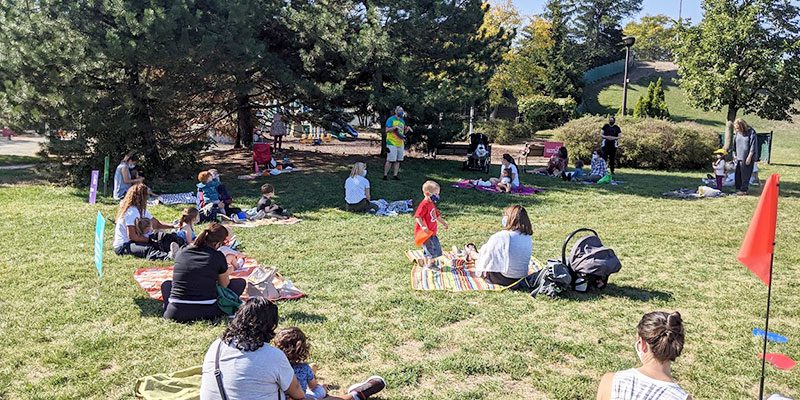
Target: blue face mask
{"x":435,"y":198}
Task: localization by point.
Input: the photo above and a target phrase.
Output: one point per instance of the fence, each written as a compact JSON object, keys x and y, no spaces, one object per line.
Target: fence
{"x":604,"y":71}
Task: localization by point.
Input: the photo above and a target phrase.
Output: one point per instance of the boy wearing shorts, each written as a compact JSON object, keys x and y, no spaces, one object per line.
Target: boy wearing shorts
{"x":427,"y":219}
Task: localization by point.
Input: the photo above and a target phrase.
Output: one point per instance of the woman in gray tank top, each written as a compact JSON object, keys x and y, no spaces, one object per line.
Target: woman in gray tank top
{"x":659,"y":342}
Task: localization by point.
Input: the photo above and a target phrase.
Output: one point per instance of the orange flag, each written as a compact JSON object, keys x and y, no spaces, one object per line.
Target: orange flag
{"x":759,"y":243}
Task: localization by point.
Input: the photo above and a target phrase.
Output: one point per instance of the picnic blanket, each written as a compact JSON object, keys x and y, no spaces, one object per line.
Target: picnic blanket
{"x":262,"y":222}
{"x":151,"y":278}
{"x":393,"y":208}
{"x":180,"y":385}
{"x":519,"y":191}
{"x":173,"y":198}
{"x":701,"y":192}
{"x":455,"y":274}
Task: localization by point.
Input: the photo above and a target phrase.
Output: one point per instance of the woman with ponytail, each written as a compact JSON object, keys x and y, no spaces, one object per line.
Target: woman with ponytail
{"x":191,"y":295}
{"x":659,"y":342}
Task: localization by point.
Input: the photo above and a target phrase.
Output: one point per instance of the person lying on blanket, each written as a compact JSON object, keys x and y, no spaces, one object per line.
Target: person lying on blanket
{"x":250,"y":368}
{"x":426,"y":224}
{"x":505,"y":257}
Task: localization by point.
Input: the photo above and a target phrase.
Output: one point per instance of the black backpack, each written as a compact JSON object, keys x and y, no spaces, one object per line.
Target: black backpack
{"x":551,"y":280}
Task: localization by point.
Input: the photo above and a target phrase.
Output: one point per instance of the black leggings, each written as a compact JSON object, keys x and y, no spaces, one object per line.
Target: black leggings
{"x":502,"y":280}
{"x":610,"y":153}
{"x":180,"y":312}
{"x":156,"y":249}
{"x":277,"y":142}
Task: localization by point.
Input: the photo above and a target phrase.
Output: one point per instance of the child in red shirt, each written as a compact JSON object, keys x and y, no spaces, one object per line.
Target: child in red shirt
{"x":427,"y":220}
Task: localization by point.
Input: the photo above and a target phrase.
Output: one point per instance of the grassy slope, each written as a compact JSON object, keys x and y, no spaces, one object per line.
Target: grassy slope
{"x":61,"y":341}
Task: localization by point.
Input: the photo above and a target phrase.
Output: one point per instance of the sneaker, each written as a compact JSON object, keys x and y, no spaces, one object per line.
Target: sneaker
{"x":397,"y":178}
{"x":369,"y":387}
{"x":385,"y":178}
{"x":173,"y":250}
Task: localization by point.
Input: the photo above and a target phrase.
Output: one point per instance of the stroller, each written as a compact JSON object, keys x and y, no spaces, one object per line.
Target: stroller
{"x":479,"y":153}
{"x":590,"y":262}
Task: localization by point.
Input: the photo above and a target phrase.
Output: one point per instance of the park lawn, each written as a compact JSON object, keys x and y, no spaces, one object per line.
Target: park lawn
{"x":63,"y":341}
{"x":6,"y":159}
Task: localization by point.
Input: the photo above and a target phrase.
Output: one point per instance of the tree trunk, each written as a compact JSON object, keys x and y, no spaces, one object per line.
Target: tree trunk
{"x":244,"y":121}
{"x":732,"y":111}
{"x":143,"y":120}
{"x":383,"y":114}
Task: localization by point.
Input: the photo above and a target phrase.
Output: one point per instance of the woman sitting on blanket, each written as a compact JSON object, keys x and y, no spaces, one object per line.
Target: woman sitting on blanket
{"x":508,"y":163}
{"x":249,"y":367}
{"x":505,"y":257}
{"x":557,"y":164}
{"x":128,"y":241}
{"x":356,"y":190}
{"x":191,"y":295}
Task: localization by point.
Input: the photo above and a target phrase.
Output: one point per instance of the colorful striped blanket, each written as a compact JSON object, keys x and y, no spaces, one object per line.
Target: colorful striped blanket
{"x":455,"y":274}
{"x":151,"y":278}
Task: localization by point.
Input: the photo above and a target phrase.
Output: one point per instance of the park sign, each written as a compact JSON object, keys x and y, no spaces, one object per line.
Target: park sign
{"x":99,"y":231}
{"x":93,"y":186}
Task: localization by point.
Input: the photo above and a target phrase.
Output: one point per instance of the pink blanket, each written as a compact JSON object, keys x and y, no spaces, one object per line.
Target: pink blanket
{"x":520,"y":190}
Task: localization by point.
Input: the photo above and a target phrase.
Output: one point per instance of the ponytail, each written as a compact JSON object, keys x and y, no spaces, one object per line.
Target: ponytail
{"x":189,"y":214}
{"x":212,"y":236}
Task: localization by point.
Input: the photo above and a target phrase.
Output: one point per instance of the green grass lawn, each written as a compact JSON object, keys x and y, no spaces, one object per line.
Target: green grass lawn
{"x":63,"y":341}
{"x":6,"y":159}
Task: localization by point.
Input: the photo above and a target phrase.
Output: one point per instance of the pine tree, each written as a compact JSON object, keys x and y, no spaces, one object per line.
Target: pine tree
{"x":597,"y":25}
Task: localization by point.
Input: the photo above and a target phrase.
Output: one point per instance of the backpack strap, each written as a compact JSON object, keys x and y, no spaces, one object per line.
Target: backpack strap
{"x":218,"y":373}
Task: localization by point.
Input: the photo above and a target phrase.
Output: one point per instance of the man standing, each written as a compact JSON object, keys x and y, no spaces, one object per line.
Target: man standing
{"x":610,"y":134}
{"x":396,"y":130}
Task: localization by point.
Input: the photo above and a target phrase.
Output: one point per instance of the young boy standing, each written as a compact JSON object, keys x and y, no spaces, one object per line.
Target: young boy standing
{"x":427,"y":219}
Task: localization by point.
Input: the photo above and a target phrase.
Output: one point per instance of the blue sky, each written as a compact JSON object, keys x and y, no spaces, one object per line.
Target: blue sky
{"x":691,"y":8}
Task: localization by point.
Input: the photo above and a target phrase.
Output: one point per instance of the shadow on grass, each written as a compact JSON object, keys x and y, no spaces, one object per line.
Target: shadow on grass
{"x":149,"y":307}
{"x":305,"y":318}
{"x":627,"y":292}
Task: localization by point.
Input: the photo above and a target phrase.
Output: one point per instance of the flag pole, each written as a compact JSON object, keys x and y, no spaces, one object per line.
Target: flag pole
{"x":766,"y":330}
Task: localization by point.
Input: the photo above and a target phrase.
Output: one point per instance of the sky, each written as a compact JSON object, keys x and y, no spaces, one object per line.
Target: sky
{"x":691,"y":8}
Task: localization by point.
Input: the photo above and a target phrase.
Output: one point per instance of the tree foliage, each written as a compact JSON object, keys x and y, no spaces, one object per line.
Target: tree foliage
{"x":743,"y":55}
{"x":653,"y":104}
{"x":597,"y":25}
{"x":655,"y":36}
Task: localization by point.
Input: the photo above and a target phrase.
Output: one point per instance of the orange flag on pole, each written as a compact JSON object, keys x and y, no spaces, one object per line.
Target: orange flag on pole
{"x":759,"y":243}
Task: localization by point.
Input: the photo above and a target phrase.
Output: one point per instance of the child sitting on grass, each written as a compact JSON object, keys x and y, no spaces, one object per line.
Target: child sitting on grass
{"x":505,"y":180}
{"x":577,"y":175}
{"x":186,"y":223}
{"x":427,"y":219}
{"x":266,"y":209}
{"x":292,"y":341}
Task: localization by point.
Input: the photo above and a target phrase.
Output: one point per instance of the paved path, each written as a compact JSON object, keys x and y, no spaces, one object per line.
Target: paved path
{"x":26,"y":145}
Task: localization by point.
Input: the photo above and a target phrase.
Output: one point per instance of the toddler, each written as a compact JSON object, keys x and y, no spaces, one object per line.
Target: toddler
{"x":144,"y":227}
{"x":719,"y":167}
{"x":577,"y":175}
{"x":266,"y":209}
{"x":208,"y":187}
{"x":505,"y":180}
{"x":427,"y":219}
{"x":292,"y":341}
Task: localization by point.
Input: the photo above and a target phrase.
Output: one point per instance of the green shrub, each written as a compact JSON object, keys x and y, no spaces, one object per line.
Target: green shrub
{"x":645,"y":142}
{"x":502,"y":131}
{"x":653,"y":103}
{"x":545,"y":112}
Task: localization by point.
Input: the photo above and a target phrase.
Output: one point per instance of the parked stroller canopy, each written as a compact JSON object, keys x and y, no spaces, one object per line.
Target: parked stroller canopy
{"x":589,"y":257}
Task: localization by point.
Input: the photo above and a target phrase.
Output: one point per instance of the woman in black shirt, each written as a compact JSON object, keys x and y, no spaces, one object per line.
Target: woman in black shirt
{"x":191,"y":295}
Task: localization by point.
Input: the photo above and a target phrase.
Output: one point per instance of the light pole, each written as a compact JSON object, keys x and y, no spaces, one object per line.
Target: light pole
{"x":628,"y":41}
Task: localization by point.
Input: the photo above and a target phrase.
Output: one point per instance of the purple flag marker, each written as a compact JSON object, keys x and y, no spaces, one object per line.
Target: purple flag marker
{"x":93,"y":186}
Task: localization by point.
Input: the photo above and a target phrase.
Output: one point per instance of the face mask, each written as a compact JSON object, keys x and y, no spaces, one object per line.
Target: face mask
{"x":364,"y":173}
{"x":401,"y":114}
{"x":435,"y":198}
{"x":594,"y":156}
{"x":504,"y":221}
{"x":131,"y":165}
{"x":638,"y":352}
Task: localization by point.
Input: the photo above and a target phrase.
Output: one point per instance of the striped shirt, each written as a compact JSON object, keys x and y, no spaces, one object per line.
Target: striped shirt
{"x":634,"y":385}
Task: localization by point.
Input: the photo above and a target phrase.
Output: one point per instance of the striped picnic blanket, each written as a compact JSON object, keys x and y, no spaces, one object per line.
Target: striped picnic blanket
{"x":151,"y":278}
{"x":455,"y":274}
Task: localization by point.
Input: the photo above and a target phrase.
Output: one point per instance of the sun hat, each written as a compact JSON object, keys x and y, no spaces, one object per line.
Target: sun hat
{"x":721,"y":151}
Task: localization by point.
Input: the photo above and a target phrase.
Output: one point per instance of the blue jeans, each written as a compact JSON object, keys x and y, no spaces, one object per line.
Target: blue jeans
{"x":432,"y":248}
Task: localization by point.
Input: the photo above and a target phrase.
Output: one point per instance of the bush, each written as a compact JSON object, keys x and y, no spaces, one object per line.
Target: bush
{"x":545,"y":112}
{"x":653,"y":103}
{"x":502,"y":131}
{"x":645,"y":143}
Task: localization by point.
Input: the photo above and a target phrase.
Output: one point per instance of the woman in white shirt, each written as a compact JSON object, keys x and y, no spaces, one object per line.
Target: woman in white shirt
{"x":128,"y":241}
{"x":505,"y":257}
{"x":659,"y":341}
{"x":356,"y":190}
{"x":507,"y":162}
